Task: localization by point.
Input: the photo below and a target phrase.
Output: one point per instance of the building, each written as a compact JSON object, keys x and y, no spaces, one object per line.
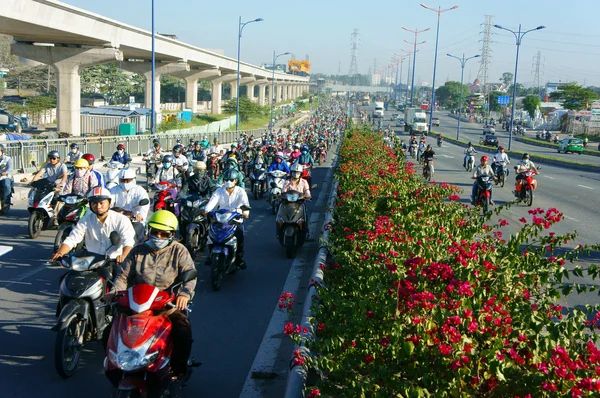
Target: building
{"x":552,"y":87}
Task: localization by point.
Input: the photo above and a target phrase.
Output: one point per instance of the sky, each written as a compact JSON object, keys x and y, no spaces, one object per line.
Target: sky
{"x":569,"y":45}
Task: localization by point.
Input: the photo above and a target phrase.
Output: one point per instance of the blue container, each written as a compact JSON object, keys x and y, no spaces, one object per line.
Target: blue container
{"x":186,"y":115}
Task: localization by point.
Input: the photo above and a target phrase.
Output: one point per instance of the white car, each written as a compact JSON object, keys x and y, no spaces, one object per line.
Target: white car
{"x":400,"y":122}
{"x":489,"y":130}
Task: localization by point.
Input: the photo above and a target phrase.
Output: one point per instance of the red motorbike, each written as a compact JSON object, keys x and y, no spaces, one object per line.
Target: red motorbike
{"x":484,"y":193}
{"x":320,"y":155}
{"x":306,"y":172}
{"x":526,"y":186}
{"x":140,"y":346}
{"x":165,"y":196}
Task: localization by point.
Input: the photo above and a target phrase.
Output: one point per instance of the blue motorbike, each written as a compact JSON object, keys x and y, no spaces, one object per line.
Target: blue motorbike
{"x":223,"y":243}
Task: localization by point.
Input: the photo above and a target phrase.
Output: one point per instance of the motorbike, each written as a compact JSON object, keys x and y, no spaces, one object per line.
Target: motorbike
{"x":193,"y":225}
{"x":5,"y":209}
{"x":151,"y":168}
{"x":112,"y":174}
{"x":320,"y":155}
{"x":82,"y":317}
{"x":428,"y":168}
{"x":306,"y":172}
{"x":276,"y":187}
{"x":501,"y":173}
{"x":439,"y":143}
{"x":221,"y":237}
{"x":140,"y":345}
{"x":163,"y":199}
{"x":524,"y":191}
{"x":258,"y":180}
{"x":41,"y":207}
{"x":413,"y":150}
{"x":290,"y":222}
{"x":75,"y":207}
{"x":470,"y":162}
{"x":484,"y":193}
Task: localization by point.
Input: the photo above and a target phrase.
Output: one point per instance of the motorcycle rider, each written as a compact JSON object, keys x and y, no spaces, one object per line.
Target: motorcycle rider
{"x":298,"y":184}
{"x":96,"y":226}
{"x":121,"y":156}
{"x":232,"y":164}
{"x":428,"y":154}
{"x":469,"y":151}
{"x":440,"y":138}
{"x":6,"y":169}
{"x":295,"y":153}
{"x":74,"y":154}
{"x":524,"y":165}
{"x":204,"y":143}
{"x":480,"y":171}
{"x":198,"y":154}
{"x":127,"y":196}
{"x":91,"y":159}
{"x":231,"y":197}
{"x":200,"y":183}
{"x":158,"y":262}
{"x":155,"y":150}
{"x":82,"y":181}
{"x":180,"y":161}
{"x":499,"y":158}
{"x":54,"y":170}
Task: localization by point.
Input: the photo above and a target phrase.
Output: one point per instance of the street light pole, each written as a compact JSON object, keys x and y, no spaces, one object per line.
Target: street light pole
{"x":271,"y":122}
{"x":237,"y":100}
{"x":153,"y":110}
{"x":463,"y":61}
{"x":407,"y":76}
{"x":439,"y":11}
{"x":518,"y":36}
{"x":416,"y":32}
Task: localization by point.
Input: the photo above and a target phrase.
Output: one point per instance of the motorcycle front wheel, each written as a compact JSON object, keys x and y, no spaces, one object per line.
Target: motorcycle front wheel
{"x":528,"y":196}
{"x":191,"y":242}
{"x":216,"y":271}
{"x":128,"y":394}
{"x":485,"y":204}
{"x":502,"y":178}
{"x":34,"y":226}
{"x":67,"y":349}
{"x":63,"y":231}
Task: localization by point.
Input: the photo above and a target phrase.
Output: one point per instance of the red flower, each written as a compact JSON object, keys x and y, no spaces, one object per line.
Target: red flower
{"x":314,"y":393}
{"x":370,"y":314}
{"x":445,"y":349}
{"x":369,"y":358}
{"x":523,"y":220}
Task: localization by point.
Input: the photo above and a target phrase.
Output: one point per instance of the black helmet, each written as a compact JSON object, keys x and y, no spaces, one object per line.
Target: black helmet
{"x":230,"y":175}
{"x":196,"y":143}
{"x":54,"y":154}
{"x":155,"y":142}
{"x":525,"y":156}
{"x":470,"y":143}
{"x":74,"y":145}
{"x":178,"y":148}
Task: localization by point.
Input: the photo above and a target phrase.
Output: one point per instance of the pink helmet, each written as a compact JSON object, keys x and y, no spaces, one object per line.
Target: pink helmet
{"x":280,"y":154}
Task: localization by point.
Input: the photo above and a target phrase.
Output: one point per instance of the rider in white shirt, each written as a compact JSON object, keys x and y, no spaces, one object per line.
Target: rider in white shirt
{"x":127,"y":196}
{"x":500,"y":159}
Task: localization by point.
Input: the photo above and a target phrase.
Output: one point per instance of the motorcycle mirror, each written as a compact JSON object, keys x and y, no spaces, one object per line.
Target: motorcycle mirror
{"x":245,"y":208}
{"x":115,"y":238}
{"x":187,"y":276}
{"x":314,"y":186}
{"x":273,"y":185}
{"x":144,"y":202}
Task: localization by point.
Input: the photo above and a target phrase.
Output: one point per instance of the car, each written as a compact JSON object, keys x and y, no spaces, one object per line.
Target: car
{"x":573,"y":145}
{"x":489,"y":130}
{"x":435,"y":122}
{"x":400,"y":122}
{"x":489,"y":140}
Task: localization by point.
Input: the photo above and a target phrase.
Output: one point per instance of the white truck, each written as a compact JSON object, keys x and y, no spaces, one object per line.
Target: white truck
{"x":415,"y":121}
{"x":378,"y":112}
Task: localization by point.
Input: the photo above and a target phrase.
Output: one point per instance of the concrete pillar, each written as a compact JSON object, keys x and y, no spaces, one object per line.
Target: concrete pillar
{"x":278,"y":93}
{"x":145,"y":69}
{"x":68,"y":62}
{"x":191,"y":88}
{"x":233,"y":93}
{"x":246,"y":81}
{"x":250,"y":91}
{"x":262,"y":91}
{"x":217,"y":90}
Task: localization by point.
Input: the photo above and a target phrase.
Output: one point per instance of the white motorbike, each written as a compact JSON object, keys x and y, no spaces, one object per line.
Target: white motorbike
{"x":112,"y":175}
{"x":275,"y":188}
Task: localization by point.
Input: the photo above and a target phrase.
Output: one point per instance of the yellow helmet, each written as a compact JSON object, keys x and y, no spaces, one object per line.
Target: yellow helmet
{"x":163,"y":220}
{"x":82,"y":163}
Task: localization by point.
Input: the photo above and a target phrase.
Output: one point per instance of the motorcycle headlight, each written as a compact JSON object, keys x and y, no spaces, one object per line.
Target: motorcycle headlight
{"x":189,"y":203}
{"x":222,"y":218}
{"x":197,"y":203}
{"x":81,"y":263}
{"x":129,"y":360}
{"x":71,"y":200}
{"x":291,"y":197}
{"x":46,"y":200}
{"x":31,"y":197}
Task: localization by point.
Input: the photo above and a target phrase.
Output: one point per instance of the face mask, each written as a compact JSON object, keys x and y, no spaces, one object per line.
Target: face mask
{"x":79,"y":172}
{"x":295,"y":176}
{"x":120,"y":151}
{"x":156,"y":243}
{"x":126,"y":186}
{"x":167,"y":165}
{"x":229,"y":184}
{"x":304,"y":152}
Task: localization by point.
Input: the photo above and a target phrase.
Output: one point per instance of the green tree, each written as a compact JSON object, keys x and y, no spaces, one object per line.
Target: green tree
{"x":108,"y":80}
{"x":494,"y":105}
{"x":172,"y":89}
{"x":573,"y":96}
{"x":531,"y":103}
{"x":39,"y":78}
{"x":507,"y":78}
{"x":248,"y":108}
{"x":448,"y":95}
{"x":7,"y":60}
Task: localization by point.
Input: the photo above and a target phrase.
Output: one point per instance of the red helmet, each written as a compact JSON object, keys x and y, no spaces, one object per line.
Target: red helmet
{"x":501,"y":147}
{"x":121,"y":146}
{"x":89,"y":157}
{"x":484,"y":159}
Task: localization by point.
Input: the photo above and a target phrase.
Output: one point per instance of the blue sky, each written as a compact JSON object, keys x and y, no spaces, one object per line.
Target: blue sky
{"x":569,"y":46}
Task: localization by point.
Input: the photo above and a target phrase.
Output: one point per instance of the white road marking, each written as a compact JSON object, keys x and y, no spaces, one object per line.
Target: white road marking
{"x":584,"y":186}
{"x":271,"y":342}
{"x":25,"y":275}
{"x":552,"y":178}
{"x":446,"y":156}
{"x":571,"y":218}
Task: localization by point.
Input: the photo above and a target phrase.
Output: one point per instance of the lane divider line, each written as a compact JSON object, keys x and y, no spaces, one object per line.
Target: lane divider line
{"x":584,"y":186}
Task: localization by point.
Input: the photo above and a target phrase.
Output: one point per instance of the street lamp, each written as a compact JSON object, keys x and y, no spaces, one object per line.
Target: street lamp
{"x":416,"y":32}
{"x":153,"y":110}
{"x":273,"y":86}
{"x":237,"y":100}
{"x":409,"y":53}
{"x":518,"y":36}
{"x":439,"y":11}
{"x":463,"y":61}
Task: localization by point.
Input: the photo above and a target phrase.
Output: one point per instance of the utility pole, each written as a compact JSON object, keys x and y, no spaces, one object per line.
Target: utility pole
{"x":415,"y":44}
{"x":486,"y":57}
{"x":537,"y":61}
{"x":354,"y":44}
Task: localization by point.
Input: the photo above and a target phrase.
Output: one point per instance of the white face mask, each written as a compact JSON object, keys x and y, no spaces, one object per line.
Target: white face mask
{"x":229,"y":184}
{"x":120,"y":151}
{"x":80,"y":172}
{"x":126,"y":186}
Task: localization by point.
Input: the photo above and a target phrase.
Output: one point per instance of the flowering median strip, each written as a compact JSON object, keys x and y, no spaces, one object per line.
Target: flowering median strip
{"x":424,"y":298}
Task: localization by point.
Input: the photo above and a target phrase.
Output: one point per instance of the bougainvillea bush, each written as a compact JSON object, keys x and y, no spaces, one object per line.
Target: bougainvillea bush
{"x":425,"y":298}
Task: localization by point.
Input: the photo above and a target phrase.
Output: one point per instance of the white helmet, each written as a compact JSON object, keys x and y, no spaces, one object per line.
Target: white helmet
{"x":201,"y":166}
{"x":127,"y":174}
{"x":296,"y":170}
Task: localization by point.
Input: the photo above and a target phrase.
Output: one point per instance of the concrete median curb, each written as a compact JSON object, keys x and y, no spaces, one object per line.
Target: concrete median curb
{"x":298,"y":375}
{"x":532,"y":141}
{"x":535,"y":158}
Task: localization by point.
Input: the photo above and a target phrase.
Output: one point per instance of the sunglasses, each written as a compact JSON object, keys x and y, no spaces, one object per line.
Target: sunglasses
{"x":160,"y":234}
{"x":227,"y":179}
{"x":52,"y":158}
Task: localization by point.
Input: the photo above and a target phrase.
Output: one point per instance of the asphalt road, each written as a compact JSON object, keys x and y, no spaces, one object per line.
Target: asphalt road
{"x":236,"y":330}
